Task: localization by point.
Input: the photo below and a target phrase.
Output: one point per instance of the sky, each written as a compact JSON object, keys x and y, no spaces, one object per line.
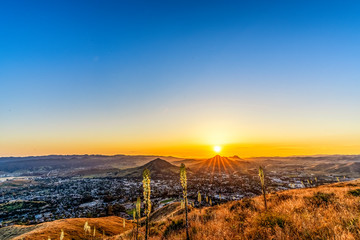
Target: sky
{"x":259,"y":78}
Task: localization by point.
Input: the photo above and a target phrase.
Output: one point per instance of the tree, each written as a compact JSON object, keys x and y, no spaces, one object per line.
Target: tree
{"x":262,"y":180}
{"x":147,"y":202}
{"x":183,"y":180}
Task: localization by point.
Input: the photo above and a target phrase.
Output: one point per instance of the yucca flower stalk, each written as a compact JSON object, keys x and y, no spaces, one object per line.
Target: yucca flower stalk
{"x":183,"y":180}
{"x":86,"y":227}
{"x":94,"y":233}
{"x":62,"y":234}
{"x":199,"y":200}
{"x":147,"y":202}
{"x":262,"y":180}
{"x":210,"y":202}
{"x":137,"y":215}
{"x":124,"y":223}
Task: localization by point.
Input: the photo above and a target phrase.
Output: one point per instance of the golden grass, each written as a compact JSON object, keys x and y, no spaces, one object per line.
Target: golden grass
{"x":325,"y":212}
{"x":74,"y":228}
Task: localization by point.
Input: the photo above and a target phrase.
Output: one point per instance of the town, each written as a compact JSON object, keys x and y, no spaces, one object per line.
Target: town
{"x":39,"y":199}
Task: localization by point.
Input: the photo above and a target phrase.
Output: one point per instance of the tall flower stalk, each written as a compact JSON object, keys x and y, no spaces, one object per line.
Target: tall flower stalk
{"x":147,"y":202}
{"x":183,"y":180}
{"x":137,"y":215}
{"x":262,"y":180}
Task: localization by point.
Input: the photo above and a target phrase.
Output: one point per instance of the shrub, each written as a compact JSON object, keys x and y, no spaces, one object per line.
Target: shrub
{"x":245,"y":203}
{"x":320,"y":199}
{"x":352,"y":225}
{"x":281,"y":197}
{"x":174,"y":226}
{"x":271,"y":220}
{"x":355,"y":192}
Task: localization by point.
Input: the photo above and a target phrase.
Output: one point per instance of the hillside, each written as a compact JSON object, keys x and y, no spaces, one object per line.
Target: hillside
{"x":70,"y":165}
{"x":158,"y":168}
{"x":325,"y":212}
{"x":73,"y":229}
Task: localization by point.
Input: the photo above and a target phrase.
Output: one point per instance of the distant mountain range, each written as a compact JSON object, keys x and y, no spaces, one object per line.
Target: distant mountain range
{"x":132,"y":165}
{"x":73,"y":164}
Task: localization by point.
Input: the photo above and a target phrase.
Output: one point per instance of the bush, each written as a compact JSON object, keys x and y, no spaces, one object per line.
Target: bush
{"x":355,"y":192}
{"x":281,"y":197}
{"x":320,"y":199}
{"x":271,"y":220}
{"x":208,"y":216}
{"x":174,"y":226}
{"x":245,"y":203}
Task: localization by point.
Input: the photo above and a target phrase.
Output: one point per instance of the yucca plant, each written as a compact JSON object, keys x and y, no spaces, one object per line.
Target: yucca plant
{"x":137,"y":215}
{"x":147,"y":202}
{"x":183,"y":180}
{"x":182,"y":205}
{"x":62,"y":235}
{"x":199,"y":200}
{"x":86,"y":227}
{"x":262,"y":180}
{"x":124,"y":223}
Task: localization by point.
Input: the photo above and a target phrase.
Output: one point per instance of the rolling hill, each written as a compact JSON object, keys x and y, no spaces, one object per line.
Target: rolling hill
{"x":158,"y":167}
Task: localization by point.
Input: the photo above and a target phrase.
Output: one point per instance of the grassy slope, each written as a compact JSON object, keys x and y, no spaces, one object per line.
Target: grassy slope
{"x":73,"y":229}
{"x":325,"y":212}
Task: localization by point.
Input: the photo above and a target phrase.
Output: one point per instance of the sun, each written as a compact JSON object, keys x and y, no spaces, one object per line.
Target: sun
{"x":217,"y":149}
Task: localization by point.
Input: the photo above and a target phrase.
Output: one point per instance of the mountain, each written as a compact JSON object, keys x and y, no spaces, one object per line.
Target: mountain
{"x":72,"y":165}
{"x":219,"y":164}
{"x":158,"y":167}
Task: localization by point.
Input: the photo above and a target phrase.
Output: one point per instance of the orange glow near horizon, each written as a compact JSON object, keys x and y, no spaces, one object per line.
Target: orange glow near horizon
{"x":178,"y":150}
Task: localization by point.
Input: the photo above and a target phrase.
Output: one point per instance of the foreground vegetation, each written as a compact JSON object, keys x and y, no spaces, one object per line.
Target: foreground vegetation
{"x":325,"y":212}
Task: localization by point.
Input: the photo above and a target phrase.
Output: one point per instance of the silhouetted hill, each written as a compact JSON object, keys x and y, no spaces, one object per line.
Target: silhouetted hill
{"x":158,"y":168}
{"x":72,"y":164}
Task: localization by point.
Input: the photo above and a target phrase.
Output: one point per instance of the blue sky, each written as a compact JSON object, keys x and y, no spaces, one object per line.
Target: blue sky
{"x":126,"y":74}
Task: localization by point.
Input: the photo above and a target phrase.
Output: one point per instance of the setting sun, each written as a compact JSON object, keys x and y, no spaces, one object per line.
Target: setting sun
{"x":217,"y":149}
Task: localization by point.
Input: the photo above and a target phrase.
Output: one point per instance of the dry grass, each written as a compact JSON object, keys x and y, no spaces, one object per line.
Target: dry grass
{"x":325,"y":212}
{"x":73,"y":229}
